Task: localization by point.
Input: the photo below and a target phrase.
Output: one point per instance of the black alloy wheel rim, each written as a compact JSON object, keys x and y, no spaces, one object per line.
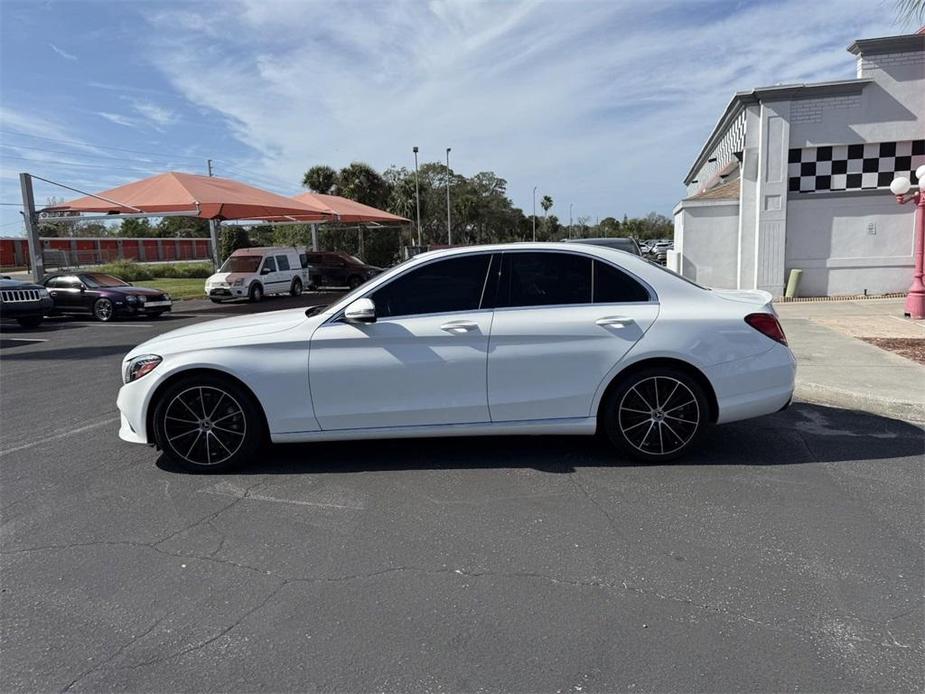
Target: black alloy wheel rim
{"x":658,"y":415}
{"x":204,"y":425}
{"x":104,"y":309}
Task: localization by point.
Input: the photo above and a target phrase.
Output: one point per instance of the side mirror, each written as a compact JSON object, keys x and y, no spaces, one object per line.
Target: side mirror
{"x":361,"y":311}
{"x":265,"y":270}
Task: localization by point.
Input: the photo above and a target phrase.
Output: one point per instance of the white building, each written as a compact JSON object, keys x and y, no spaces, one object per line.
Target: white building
{"x":797,"y":176}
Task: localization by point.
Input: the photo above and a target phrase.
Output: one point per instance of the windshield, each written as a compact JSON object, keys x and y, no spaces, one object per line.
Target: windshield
{"x":241,"y":263}
{"x":96,"y":279}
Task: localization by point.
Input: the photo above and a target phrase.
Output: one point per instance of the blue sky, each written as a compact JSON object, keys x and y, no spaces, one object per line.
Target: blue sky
{"x":599,"y":104}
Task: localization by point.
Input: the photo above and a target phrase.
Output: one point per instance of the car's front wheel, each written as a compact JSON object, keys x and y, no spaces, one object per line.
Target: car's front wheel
{"x":30,"y":321}
{"x":354,"y":281}
{"x":208,"y":424}
{"x":103,"y":310}
{"x":256,"y":292}
{"x":655,"y":414}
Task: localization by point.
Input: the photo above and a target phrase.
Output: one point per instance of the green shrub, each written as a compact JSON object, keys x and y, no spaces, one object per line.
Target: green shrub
{"x":131,"y":271}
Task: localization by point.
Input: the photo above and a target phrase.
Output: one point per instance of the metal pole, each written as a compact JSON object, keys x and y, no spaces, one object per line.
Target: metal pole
{"x":915,"y":299}
{"x":417,"y":194}
{"x":570,"y":220}
{"x":32,"y":228}
{"x":534,"y":214}
{"x":209,"y":164}
{"x":449,"y":228}
{"x":314,"y":237}
{"x":214,"y":225}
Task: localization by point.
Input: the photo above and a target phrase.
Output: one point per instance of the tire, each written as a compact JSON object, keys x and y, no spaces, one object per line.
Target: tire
{"x":155,"y":314}
{"x":103,"y":310}
{"x":354,"y":281}
{"x":215,"y":301}
{"x":207,"y":423}
{"x":256,"y":292}
{"x":655,"y":414}
{"x":296,"y":288}
{"x":30,"y":321}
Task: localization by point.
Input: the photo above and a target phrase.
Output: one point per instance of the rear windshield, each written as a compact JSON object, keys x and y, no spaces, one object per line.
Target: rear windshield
{"x":675,"y":274}
{"x":242,"y":263}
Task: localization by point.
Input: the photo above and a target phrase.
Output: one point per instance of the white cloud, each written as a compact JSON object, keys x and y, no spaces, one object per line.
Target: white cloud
{"x":601,"y":104}
{"x":63,"y":53}
{"x":118,"y":119}
{"x":158,"y":115}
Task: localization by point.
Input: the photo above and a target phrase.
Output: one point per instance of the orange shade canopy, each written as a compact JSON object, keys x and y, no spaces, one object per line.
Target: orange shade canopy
{"x":346,"y":210}
{"x":206,"y":197}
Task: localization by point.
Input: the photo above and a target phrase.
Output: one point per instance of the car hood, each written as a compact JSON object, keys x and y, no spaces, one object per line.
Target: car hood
{"x":225,"y":331}
{"x":228,"y":277}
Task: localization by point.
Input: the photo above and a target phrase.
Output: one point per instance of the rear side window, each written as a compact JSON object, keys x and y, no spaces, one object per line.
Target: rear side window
{"x":282,"y":262}
{"x":269,"y":264}
{"x":314,"y":258}
{"x":613,"y":286}
{"x":545,"y":279}
{"x":444,"y":286}
{"x":303,"y":260}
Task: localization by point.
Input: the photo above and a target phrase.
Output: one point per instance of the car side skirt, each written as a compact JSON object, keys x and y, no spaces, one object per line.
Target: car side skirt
{"x":581,"y":426}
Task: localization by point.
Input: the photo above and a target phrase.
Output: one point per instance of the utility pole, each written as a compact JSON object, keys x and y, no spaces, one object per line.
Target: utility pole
{"x":213,"y":229}
{"x":534,"y":214}
{"x":570,"y":220}
{"x":449,"y":228}
{"x":32,"y":228}
{"x":417,"y":193}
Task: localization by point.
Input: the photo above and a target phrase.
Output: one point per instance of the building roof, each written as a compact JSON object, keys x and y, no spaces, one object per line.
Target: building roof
{"x":906,"y":43}
{"x":725,"y":191}
{"x":779,"y":92}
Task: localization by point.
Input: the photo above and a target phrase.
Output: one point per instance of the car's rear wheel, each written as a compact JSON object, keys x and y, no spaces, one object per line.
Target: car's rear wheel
{"x":296,"y":288}
{"x":256,"y":292}
{"x":354,"y":281}
{"x":214,"y":300}
{"x":103,"y":310}
{"x":655,"y":414}
{"x":208,"y":424}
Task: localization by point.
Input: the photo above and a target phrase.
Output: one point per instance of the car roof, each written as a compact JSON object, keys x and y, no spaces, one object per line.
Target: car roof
{"x":263,"y":250}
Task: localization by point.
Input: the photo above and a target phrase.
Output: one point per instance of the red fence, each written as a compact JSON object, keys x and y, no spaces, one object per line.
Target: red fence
{"x":74,"y":252}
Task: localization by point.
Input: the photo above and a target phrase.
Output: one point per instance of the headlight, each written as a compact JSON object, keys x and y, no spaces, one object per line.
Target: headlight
{"x":139,"y":366}
{"x":239,"y":282}
{"x":43,"y":293}
{"x":131,"y":299}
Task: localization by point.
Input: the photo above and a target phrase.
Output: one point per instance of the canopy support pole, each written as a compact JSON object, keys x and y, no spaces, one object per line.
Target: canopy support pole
{"x":214,"y":225}
{"x":362,"y":241}
{"x":32,"y":229}
{"x":315,"y":238}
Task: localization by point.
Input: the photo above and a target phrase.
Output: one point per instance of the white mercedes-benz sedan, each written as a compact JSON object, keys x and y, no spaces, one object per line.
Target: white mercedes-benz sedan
{"x":540,"y":338}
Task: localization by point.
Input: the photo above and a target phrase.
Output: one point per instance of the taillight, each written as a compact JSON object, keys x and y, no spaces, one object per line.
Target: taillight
{"x":767,"y":324}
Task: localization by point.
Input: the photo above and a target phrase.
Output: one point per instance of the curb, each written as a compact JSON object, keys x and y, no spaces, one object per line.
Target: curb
{"x":838,"y":397}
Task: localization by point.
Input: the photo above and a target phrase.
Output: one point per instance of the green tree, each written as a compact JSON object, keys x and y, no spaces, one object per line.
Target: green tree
{"x":182,"y":227}
{"x":136,"y":228}
{"x":910,"y":11}
{"x":546,"y":204}
{"x":231,"y":239}
{"x":362,"y":183}
{"x":320,"y":179}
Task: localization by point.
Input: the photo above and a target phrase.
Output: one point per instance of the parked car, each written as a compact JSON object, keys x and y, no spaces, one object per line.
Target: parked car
{"x":621,"y":244}
{"x":23,"y":302}
{"x":582,"y":339}
{"x":339,"y":269}
{"x":254,"y":273}
{"x":104,"y":296}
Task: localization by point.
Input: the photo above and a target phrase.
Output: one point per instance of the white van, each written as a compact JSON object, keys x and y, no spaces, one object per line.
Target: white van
{"x":256,"y":272}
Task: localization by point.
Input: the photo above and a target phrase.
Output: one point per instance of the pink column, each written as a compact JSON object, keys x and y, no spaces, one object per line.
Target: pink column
{"x":915,"y":299}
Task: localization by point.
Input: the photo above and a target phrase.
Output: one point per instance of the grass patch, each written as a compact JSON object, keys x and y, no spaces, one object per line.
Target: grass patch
{"x":131,"y":271}
{"x":179,"y":288}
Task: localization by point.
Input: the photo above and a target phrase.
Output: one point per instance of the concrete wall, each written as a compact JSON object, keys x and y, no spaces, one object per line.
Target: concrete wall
{"x":708,"y":235}
{"x":848,"y":243}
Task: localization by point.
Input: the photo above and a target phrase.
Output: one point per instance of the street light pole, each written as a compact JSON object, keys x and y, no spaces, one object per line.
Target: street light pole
{"x":570,"y":220}
{"x":901,"y":187}
{"x":417,"y":194}
{"x":534,"y":214}
{"x":449,"y":227}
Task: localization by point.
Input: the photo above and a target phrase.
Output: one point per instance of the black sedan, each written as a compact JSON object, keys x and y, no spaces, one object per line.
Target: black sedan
{"x":104,"y":296}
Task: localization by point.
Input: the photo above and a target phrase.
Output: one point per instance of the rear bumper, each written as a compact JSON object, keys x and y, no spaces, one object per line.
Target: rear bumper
{"x":754,"y":386}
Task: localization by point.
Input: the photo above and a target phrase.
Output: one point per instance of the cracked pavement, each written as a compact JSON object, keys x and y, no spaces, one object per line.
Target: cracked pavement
{"x":785,"y":554}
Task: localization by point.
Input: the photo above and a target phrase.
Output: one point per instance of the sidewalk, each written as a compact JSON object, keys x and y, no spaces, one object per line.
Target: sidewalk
{"x":835,"y":367}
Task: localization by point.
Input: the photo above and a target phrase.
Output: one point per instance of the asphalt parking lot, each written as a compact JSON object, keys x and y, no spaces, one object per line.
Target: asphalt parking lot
{"x":786,"y":554}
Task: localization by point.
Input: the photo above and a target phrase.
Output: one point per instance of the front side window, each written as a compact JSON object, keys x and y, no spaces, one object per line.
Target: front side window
{"x":269,"y":265}
{"x":444,"y":286}
{"x":545,"y":279}
{"x":613,"y":286}
{"x":282,"y":262}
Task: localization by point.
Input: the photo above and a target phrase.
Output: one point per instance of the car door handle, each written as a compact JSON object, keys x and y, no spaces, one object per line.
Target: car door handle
{"x":615,"y":321}
{"x":458,"y":327}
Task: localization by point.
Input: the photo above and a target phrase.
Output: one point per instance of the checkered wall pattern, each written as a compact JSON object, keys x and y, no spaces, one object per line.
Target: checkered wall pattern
{"x":853,"y":167}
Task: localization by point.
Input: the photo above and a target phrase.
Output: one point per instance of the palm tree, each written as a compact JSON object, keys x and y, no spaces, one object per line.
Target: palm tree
{"x":910,"y":11}
{"x":546,"y":204}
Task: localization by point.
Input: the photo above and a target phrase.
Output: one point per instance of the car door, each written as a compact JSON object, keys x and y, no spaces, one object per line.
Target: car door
{"x":421,"y":363}
{"x":283,"y":274}
{"x":268,"y":276}
{"x":68,"y":293}
{"x":562,"y":323}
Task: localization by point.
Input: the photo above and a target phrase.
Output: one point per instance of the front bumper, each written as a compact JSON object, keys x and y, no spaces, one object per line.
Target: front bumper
{"x":132,"y":402}
{"x":227,"y":292}
{"x":26,"y":309}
